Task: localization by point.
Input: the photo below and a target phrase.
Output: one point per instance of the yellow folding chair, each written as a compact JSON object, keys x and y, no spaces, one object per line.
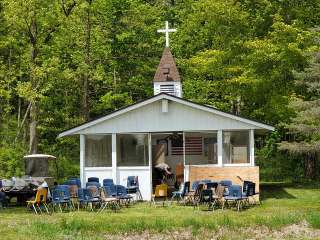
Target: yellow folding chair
{"x":41,"y":199}
{"x":161,"y":192}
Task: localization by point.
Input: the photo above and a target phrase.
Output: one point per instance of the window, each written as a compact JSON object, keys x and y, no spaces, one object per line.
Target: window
{"x":236,"y":147}
{"x":98,"y":151}
{"x":201,"y":148}
{"x":132,"y":150}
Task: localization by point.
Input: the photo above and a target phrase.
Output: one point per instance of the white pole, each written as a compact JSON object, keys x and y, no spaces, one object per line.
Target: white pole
{"x":82,"y":160}
{"x":185,"y":171}
{"x":150,"y":162}
{"x":114,"y":158}
{"x":251,"y":142}
{"x":220,"y":148}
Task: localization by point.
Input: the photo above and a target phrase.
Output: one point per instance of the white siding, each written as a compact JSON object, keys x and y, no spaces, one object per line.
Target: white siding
{"x":180,"y":117}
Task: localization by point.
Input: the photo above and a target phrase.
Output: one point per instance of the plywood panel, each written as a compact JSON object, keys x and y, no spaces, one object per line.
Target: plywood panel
{"x":222,"y":173}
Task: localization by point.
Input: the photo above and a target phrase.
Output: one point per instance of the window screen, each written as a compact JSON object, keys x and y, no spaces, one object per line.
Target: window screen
{"x":98,"y":151}
{"x":132,"y":150}
{"x":236,"y":147}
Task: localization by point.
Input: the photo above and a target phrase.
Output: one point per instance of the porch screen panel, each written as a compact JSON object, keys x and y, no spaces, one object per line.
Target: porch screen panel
{"x":201,"y":148}
{"x":132,"y":150}
{"x":236,"y":147}
{"x":98,"y":151}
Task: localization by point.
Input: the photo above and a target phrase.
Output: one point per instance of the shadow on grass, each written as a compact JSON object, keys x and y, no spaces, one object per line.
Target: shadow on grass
{"x":275,"y":190}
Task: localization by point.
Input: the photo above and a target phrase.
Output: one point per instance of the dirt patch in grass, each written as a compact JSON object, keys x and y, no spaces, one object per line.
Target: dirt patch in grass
{"x":294,"y":231}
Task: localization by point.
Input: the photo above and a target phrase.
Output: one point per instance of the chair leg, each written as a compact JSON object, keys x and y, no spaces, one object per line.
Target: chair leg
{"x":34,"y":209}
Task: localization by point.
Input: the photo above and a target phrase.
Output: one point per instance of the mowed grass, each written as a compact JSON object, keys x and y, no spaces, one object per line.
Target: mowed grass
{"x":281,"y":206}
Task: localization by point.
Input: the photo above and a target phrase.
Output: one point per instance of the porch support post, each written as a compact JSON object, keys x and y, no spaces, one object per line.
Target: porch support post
{"x":251,"y":142}
{"x":220,"y":148}
{"x":150,"y":162}
{"x":82,"y":159}
{"x":185,"y":170}
{"x":114,"y":158}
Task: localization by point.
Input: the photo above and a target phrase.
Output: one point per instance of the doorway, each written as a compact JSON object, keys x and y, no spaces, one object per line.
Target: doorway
{"x":167,"y":159}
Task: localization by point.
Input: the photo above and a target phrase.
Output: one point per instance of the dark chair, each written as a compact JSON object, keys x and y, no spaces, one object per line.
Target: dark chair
{"x":206,"y":198}
{"x":93,"y":179}
{"x":92,"y":196}
{"x":211,"y":185}
{"x":226,"y":184}
{"x":61,"y":197}
{"x":235,"y":195}
{"x":77,"y":180}
{"x":195,"y":185}
{"x":133,"y":186}
{"x":93,"y":184}
{"x":107,"y":182}
{"x":122,"y":194}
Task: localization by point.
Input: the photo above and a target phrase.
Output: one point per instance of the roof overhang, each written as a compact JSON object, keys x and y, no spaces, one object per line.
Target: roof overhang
{"x":76,"y":130}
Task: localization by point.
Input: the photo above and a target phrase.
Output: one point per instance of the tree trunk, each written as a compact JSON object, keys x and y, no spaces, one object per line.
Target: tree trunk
{"x":33,"y":137}
{"x":310,"y":166}
{"x":86,"y":75}
{"x":33,"y":141}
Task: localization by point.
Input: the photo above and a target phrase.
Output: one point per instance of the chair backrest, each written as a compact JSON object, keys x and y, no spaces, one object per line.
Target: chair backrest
{"x":249,"y":188}
{"x":206,"y":195}
{"x":93,"y":179}
{"x":93,"y":191}
{"x":41,"y":195}
{"x":107,"y":182}
{"x":56,"y":194}
{"x":73,"y":189}
{"x":235,"y":191}
{"x":161,"y":190}
{"x":104,"y":193}
{"x":71,"y":182}
{"x":211,"y":185}
{"x":93,"y":184}
{"x":121,"y":190}
{"x":132,"y":181}
{"x":80,"y":194}
{"x":226,"y":183}
{"x":220,"y":191}
{"x":78,"y":182}
{"x":64,"y":191}
{"x":186,"y":188}
{"x":195,"y":185}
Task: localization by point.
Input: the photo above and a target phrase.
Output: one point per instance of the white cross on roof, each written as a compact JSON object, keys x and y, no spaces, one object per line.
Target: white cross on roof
{"x":167,"y":31}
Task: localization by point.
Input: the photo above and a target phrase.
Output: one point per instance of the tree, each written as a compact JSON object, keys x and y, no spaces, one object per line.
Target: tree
{"x":304,"y":129}
{"x":35,"y":21}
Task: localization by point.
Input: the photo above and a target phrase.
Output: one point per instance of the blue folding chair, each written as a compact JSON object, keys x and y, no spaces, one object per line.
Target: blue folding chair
{"x":61,"y":196}
{"x":235,"y":195}
{"x":93,"y":179}
{"x":133,"y":186}
{"x":226,"y":184}
{"x":98,"y":185}
{"x":183,"y":190}
{"x":92,"y":196}
{"x":195,"y":185}
{"x":122,"y":194}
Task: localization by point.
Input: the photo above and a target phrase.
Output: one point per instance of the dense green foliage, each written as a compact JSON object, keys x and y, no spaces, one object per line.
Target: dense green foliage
{"x":65,"y":62}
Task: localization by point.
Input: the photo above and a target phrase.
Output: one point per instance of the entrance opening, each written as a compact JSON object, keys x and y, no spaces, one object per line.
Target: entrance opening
{"x":167,"y":159}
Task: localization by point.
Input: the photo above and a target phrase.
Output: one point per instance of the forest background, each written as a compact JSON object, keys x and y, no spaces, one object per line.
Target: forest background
{"x":64,"y":62}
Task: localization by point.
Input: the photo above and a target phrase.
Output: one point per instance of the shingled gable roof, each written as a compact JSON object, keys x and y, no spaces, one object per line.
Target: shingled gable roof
{"x":160,"y":96}
{"x":167,"y":69}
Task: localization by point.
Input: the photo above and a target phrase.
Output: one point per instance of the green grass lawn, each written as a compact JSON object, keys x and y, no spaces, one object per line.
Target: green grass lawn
{"x":281,"y":206}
